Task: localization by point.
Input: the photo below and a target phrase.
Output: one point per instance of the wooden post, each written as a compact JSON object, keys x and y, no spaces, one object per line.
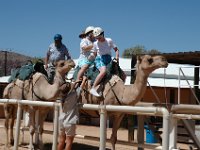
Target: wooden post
{"x":133,"y":62}
{"x":131,"y":118}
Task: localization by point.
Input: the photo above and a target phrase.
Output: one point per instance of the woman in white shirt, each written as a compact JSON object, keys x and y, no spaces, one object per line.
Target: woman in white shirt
{"x":87,"y":55}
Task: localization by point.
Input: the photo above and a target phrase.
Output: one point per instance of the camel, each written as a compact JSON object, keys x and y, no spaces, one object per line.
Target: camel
{"x":116,"y":93}
{"x":36,"y":88}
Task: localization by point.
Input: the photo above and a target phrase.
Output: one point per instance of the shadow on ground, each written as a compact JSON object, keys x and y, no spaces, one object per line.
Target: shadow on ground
{"x":75,"y":146}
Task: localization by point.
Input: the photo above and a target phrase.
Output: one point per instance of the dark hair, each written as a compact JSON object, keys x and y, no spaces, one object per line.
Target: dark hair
{"x":88,"y":33}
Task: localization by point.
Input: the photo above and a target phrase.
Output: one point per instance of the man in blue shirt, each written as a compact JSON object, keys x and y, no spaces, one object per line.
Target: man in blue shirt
{"x":56,"y":51}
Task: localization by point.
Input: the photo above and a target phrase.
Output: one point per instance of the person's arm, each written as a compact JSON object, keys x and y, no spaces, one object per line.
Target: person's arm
{"x":117,"y":53}
{"x":67,"y":53}
{"x":46,"y":60}
{"x":87,"y":47}
{"x":115,"y":48}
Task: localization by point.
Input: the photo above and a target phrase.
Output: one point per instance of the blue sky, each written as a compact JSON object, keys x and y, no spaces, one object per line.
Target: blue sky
{"x":28,"y":27}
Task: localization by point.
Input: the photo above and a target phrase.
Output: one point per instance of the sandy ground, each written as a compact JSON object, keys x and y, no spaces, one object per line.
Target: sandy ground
{"x":79,"y":143}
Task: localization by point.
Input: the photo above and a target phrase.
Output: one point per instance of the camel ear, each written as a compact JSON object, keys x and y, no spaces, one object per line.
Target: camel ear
{"x":139,"y":59}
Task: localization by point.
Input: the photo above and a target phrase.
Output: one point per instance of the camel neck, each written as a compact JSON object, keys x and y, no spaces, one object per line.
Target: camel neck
{"x":137,"y":89}
{"x":141,"y":78}
{"x":58,"y":79}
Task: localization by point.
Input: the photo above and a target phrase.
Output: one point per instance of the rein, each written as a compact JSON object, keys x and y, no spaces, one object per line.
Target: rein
{"x":114,"y":93}
{"x":61,"y":80}
{"x":33,"y":92}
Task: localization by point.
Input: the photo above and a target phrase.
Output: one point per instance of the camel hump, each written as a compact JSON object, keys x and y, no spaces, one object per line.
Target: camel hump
{"x":114,"y":79}
{"x":7,"y":89}
{"x":36,"y":76}
{"x":111,"y":83}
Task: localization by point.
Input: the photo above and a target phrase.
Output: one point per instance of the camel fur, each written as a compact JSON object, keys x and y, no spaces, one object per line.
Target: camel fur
{"x":127,"y":94}
{"x":37,"y":89}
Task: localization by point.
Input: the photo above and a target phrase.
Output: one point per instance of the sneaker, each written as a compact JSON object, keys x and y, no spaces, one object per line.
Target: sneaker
{"x":94,"y":92}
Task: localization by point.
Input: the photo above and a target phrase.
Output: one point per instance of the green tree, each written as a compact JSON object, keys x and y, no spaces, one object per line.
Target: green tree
{"x":139,"y":49}
{"x":154,"y":51}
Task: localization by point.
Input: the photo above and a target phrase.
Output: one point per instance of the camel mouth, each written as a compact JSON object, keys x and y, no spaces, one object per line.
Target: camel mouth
{"x":165,"y":65}
{"x":72,"y":65}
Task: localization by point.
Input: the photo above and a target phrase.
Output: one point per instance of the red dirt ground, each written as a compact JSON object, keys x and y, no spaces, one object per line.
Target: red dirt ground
{"x":79,"y":143}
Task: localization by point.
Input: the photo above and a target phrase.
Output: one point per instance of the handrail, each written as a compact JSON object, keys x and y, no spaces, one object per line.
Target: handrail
{"x":103,"y":113}
{"x":56,"y":106}
{"x":181,"y":71}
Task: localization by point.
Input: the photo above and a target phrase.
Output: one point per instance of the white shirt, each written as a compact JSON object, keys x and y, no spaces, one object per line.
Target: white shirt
{"x":104,"y":48}
{"x":85,"y":42}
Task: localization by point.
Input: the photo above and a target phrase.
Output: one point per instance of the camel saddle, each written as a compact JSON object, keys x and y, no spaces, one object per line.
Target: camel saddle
{"x":25,"y":72}
{"x":112,"y":68}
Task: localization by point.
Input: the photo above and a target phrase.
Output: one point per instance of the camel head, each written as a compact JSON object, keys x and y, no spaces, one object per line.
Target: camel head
{"x":150,"y":63}
{"x":64,"y":66}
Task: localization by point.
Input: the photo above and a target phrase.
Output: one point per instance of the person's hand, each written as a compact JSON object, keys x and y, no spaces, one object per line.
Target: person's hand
{"x":116,"y":60}
{"x":91,"y":57}
{"x":45,"y":66}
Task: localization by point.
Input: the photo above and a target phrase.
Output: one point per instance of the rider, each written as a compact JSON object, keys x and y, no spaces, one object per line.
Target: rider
{"x":56,"y":51}
{"x":87,"y":54}
{"x":103,"y":46}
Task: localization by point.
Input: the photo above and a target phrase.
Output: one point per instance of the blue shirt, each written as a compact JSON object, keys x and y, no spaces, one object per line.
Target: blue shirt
{"x":56,"y":53}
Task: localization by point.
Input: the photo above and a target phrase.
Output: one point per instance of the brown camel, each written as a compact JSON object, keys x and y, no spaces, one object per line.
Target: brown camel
{"x":36,"y":88}
{"x":114,"y":89}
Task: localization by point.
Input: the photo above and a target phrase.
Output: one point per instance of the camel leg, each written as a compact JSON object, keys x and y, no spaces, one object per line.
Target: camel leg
{"x":116,"y":123}
{"x":8,"y":114}
{"x":40,"y":137}
{"x":11,"y":130}
{"x":6,"y":125}
{"x":32,"y":128}
{"x":41,"y":129}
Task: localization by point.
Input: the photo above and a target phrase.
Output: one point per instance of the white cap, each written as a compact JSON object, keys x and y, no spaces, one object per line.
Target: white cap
{"x":89,"y":29}
{"x":97,"y":31}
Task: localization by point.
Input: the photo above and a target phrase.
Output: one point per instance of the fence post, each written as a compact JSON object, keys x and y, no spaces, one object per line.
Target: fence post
{"x":55,"y":125}
{"x":103,"y":137}
{"x":37,"y":125}
{"x":172,"y":132}
{"x":17,"y":130}
{"x":166,"y":117}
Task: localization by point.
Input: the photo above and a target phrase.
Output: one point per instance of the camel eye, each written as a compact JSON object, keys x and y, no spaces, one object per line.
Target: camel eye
{"x":62,"y":64}
{"x":150,"y":60}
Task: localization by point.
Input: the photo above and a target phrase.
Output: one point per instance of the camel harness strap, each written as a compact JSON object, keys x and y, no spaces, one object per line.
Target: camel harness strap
{"x":33,"y":92}
{"x":114,"y":93}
